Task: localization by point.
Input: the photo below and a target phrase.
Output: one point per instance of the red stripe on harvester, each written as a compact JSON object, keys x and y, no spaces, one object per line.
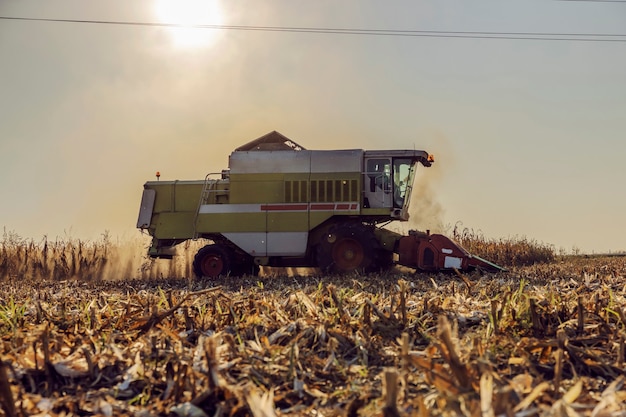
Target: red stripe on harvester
{"x":343,"y":206}
{"x":322,"y":206}
{"x":283,"y":207}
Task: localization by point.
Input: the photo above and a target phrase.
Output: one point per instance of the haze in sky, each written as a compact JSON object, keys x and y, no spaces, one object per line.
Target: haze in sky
{"x":529,"y":135}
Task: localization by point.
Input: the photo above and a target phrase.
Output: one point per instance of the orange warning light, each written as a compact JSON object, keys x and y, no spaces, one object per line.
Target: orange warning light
{"x":431,"y":157}
{"x":158,"y":175}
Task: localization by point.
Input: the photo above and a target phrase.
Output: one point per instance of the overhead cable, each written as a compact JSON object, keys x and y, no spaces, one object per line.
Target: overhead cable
{"x":541,"y":36}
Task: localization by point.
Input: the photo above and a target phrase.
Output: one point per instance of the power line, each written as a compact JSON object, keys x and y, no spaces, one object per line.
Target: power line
{"x":598,"y":1}
{"x":541,"y":36}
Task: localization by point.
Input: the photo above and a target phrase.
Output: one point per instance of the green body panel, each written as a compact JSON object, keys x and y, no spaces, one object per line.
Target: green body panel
{"x":317,"y":218}
{"x":174,"y":225}
{"x":256,"y":188}
{"x":176,"y":196}
{"x":175,"y":208}
{"x":251,"y":192}
{"x":375,"y":212}
{"x":231,"y":222}
{"x":295,"y":187}
{"x":288,"y":222}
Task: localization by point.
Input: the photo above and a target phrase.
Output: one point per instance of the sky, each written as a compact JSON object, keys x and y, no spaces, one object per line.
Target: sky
{"x":529,"y":136}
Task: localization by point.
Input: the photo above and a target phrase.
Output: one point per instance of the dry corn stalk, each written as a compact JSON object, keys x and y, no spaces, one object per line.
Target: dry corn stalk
{"x":287,"y":337}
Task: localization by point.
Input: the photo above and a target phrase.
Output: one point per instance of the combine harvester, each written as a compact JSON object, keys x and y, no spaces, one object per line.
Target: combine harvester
{"x":281,"y":205}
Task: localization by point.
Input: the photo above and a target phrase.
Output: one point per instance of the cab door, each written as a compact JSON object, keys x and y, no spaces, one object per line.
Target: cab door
{"x":377,"y":183}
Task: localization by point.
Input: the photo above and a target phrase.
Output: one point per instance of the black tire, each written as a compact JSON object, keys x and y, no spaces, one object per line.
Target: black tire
{"x":350,"y":247}
{"x":384,"y":260}
{"x":212,"y":261}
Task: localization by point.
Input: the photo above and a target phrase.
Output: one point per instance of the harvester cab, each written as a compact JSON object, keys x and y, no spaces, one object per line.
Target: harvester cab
{"x":388,"y":179}
{"x":279,"y":204}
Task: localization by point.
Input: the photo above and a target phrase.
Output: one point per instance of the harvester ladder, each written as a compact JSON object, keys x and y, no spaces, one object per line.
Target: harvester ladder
{"x":208,"y":188}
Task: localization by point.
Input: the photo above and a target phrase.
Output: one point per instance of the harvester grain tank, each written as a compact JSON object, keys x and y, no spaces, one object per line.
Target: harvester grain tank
{"x":279,"y":204}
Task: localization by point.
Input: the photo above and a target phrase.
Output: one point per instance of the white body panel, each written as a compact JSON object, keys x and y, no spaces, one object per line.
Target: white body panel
{"x":145,"y":210}
{"x":287,"y":243}
{"x":229,"y":208}
{"x":254,"y":243}
{"x":254,"y":162}
{"x":452,"y":262}
{"x":337,"y":161}
{"x":270,"y":244}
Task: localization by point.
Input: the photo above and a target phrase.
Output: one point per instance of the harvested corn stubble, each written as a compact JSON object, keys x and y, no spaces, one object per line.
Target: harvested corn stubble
{"x":540,"y":340}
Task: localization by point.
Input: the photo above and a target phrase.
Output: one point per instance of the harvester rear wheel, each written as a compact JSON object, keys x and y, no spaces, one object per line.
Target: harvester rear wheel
{"x":348,"y":254}
{"x":348,"y":248}
{"x":212,"y":261}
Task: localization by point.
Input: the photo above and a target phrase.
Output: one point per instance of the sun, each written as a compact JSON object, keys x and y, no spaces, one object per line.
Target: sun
{"x":190,"y":13}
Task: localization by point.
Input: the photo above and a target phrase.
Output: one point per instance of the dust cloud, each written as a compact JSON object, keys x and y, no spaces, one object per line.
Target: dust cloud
{"x":426,"y":213}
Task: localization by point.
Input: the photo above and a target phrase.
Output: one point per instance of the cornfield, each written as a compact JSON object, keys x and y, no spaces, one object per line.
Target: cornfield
{"x":515,"y":251}
{"x":73,"y":258}
{"x":88,"y":329}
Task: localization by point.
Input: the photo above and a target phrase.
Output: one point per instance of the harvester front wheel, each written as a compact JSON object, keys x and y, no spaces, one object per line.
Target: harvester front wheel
{"x":348,"y":248}
{"x":212,"y":261}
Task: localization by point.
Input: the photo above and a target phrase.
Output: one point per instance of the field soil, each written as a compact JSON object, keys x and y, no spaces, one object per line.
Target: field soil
{"x":539,"y":340}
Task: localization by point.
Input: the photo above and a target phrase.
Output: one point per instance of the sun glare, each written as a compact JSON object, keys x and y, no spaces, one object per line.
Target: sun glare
{"x":190,"y":12}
